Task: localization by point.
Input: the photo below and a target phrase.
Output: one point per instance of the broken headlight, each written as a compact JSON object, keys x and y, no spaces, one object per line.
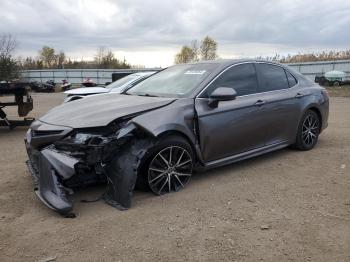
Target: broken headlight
{"x":80,"y":141}
{"x":87,"y":139}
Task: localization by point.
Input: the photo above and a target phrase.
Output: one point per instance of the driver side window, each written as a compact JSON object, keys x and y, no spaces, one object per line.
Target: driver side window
{"x":241,"y":77}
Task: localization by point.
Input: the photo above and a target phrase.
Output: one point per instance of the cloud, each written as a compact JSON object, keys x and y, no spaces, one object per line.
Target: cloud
{"x":242,"y":28}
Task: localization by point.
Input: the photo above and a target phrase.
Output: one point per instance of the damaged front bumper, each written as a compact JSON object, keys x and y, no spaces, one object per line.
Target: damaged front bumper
{"x":48,"y":170}
{"x":59,"y":165}
{"x":48,"y":185}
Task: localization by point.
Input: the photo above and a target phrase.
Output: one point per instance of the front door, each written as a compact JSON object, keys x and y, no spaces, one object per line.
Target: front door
{"x":235,"y":126}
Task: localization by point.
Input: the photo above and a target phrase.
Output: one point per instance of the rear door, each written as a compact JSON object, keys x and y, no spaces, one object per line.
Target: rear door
{"x":279,"y":102}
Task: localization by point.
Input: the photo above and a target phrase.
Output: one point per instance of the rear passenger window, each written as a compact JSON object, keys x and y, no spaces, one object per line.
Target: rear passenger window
{"x":271,"y":77}
{"x":240,"y":77}
{"x":291,"y":79}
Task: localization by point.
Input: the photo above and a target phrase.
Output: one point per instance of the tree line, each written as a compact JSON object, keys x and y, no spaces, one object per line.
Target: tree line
{"x":48,"y":58}
{"x":205,"y":49}
{"x":331,"y":55}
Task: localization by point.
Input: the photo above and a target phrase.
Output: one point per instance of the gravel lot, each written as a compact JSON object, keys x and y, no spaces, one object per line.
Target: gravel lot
{"x":284,"y":206}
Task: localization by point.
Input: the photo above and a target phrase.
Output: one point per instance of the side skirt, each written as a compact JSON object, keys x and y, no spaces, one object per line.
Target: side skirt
{"x":245,"y":155}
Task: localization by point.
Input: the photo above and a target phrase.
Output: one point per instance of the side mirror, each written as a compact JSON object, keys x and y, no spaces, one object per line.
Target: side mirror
{"x":221,"y":94}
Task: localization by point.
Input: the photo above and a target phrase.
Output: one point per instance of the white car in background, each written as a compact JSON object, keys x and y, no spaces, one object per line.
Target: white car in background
{"x":116,"y":87}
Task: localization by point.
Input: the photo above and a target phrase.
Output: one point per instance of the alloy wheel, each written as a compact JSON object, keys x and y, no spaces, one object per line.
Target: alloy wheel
{"x":170,"y":170}
{"x":310,"y":130}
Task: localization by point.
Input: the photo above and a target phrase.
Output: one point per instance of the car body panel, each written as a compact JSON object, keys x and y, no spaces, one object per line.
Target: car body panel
{"x":101,"y":110}
{"x":181,"y":111}
{"x":234,"y":119}
{"x":281,"y":114}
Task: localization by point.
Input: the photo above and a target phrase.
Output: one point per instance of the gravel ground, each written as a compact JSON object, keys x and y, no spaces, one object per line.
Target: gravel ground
{"x":343,"y":91}
{"x":283,"y":206}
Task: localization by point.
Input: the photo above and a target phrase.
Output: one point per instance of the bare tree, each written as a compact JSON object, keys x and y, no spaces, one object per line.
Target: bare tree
{"x":48,"y":56}
{"x":186,"y":55}
{"x":208,"y":49}
{"x":195,"y":49}
{"x":101,"y":52}
{"x":105,"y":58}
{"x":7,"y":45}
{"x":61,"y":59}
{"x":8,"y":67}
{"x":204,"y":50}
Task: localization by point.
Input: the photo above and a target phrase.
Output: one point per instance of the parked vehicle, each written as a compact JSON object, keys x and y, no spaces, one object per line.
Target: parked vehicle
{"x":88,"y":83}
{"x":116,"y":87}
{"x":333,"y":78}
{"x":65,"y":85}
{"x":47,"y":87}
{"x":183,"y":119}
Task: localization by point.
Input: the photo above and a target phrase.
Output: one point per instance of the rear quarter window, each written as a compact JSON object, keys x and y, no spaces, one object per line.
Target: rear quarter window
{"x":291,"y":79}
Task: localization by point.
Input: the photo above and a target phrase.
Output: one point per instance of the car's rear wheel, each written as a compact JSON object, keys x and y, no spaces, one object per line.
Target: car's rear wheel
{"x":308,"y":131}
{"x":167,"y":166}
{"x":336,"y":83}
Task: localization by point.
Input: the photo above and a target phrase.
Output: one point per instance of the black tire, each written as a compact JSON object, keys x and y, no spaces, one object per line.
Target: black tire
{"x":145,"y":160}
{"x":336,"y":83}
{"x":308,"y":131}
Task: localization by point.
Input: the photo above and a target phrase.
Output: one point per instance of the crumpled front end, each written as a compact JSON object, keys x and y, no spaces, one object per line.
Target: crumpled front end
{"x":61,"y":159}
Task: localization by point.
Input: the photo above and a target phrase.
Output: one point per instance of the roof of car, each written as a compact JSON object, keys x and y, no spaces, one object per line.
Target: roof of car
{"x":223,"y":63}
{"x":144,"y":73}
{"x":233,"y":61}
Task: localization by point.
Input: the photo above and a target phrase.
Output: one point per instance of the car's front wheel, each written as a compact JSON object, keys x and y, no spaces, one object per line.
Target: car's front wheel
{"x":169,"y":170}
{"x":167,"y":166}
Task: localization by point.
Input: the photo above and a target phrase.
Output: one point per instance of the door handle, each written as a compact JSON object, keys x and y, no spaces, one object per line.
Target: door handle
{"x":259,"y":103}
{"x":299,"y":95}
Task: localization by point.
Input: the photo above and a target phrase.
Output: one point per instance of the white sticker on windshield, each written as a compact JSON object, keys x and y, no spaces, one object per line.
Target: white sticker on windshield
{"x":195,"y":72}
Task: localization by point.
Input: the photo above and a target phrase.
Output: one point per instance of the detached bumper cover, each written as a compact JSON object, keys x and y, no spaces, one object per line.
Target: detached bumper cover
{"x":68,"y":163}
{"x":48,"y":186}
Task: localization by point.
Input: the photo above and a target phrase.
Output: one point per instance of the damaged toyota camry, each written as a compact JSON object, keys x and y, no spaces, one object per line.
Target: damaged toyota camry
{"x":186,"y":118}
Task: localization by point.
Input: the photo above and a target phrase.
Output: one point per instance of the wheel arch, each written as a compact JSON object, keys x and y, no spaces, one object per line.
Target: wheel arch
{"x":318,"y":112}
{"x":181,"y":134}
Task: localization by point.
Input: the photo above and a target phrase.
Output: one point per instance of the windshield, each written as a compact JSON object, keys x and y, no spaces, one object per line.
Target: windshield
{"x":121,"y":82}
{"x":175,"y":81}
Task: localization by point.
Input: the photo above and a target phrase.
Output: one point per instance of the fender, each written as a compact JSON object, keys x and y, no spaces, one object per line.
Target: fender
{"x":320,"y":104}
{"x":183,"y":114}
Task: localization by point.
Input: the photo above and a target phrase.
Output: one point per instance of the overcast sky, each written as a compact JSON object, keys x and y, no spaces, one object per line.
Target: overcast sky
{"x":151,"y":32}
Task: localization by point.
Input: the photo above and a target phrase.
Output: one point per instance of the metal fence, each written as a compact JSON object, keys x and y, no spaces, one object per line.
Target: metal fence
{"x":101,"y":76}
{"x":312,"y":69}
{"x":75,"y":76}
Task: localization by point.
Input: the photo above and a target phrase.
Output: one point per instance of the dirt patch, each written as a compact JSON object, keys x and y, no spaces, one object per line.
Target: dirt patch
{"x":283,"y":206}
{"x":339,"y":91}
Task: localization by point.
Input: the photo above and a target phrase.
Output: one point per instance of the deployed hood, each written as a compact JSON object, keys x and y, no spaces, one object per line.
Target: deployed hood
{"x":100,"y":110}
{"x":87,"y":91}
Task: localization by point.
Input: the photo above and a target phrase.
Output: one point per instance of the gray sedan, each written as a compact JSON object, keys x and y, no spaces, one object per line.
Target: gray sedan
{"x":186,"y":118}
